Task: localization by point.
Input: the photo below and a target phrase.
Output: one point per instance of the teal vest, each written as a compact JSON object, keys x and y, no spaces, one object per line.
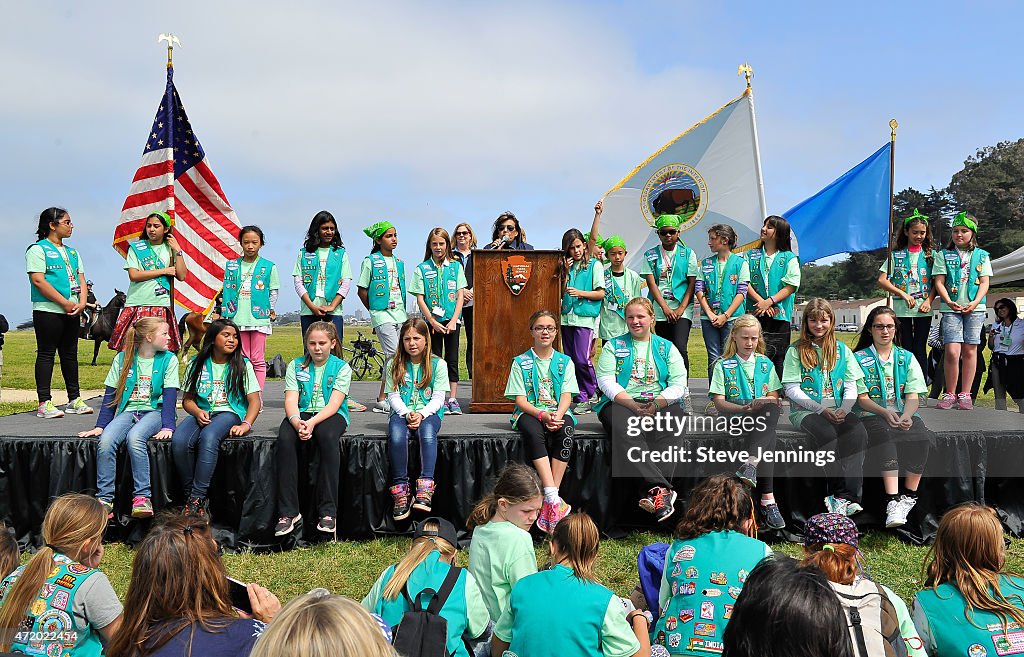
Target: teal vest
{"x":875,"y":382}
{"x":768,"y":281}
{"x":408,"y":387}
{"x":430,"y":574}
{"x":737,"y":386}
{"x":581,"y":278}
{"x":539,"y":599}
{"x":902,"y":274}
{"x":680,"y":264}
{"x":57,"y":598}
{"x":952,"y":260}
{"x":705,"y":575}
{"x":204,"y":389}
{"x":955,"y":635}
{"x":440,"y":291}
{"x":57,"y":273}
{"x":811,"y":381}
{"x":260,"y":297}
{"x":380,"y":287}
{"x":623,"y":346}
{"x":614,"y":295}
{"x":525,"y":361}
{"x":310,"y":266}
{"x":721,"y":293}
{"x":305,"y":376}
{"x":149,"y":261}
{"x":156,"y":384}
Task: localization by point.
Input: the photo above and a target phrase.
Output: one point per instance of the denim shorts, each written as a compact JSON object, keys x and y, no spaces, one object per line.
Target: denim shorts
{"x":965,"y":329}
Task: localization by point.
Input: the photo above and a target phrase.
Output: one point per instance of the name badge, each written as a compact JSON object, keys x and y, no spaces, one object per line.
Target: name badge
{"x":436,"y":310}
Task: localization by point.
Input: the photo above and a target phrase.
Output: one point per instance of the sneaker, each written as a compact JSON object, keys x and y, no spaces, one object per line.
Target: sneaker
{"x":583,"y":408}
{"x":108,"y":506}
{"x":400,"y":493}
{"x":836,"y":505}
{"x":947,"y":402}
{"x":853,"y":508}
{"x":142,"y":507}
{"x":660,"y":501}
{"x":551,"y":513}
{"x":197,"y":506}
{"x":897,"y":510}
{"x":424,"y":495}
{"x":772,"y":517}
{"x":48,"y":410}
{"x":710,"y":409}
{"x":78,"y":407}
{"x":748,"y":474}
{"x":356,"y":407}
{"x":687,"y":404}
{"x":453,"y":406}
{"x":382,"y":406}
{"x":327,"y":524}
{"x":964,"y":400}
{"x":922,"y":402}
{"x":286,"y":525}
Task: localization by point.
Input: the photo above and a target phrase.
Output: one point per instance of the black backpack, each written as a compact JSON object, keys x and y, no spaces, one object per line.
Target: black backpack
{"x":424,"y":632}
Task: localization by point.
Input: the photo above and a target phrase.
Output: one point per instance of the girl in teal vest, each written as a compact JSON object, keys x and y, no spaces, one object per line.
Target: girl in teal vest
{"x":222,"y":398}
{"x":417,"y":383}
{"x":439,"y":283}
{"x":713,"y":551}
{"x":564,"y":610}
{"x":721,"y":290}
{"x":970,"y":605}
{"x":744,"y":383}
{"x":152,"y":265}
{"x":907,"y":276}
{"x":961,"y":276}
{"x":382,"y":291}
{"x":322,"y":273}
{"x":316,"y":407}
{"x":642,"y":374}
{"x":542,"y":382}
{"x":774,"y":281}
{"x":141,"y":393}
{"x":620,"y":285}
{"x":46,"y":602}
{"x":822,"y":380}
{"x":888,"y":409}
{"x":425,"y":567}
{"x":581,"y":306}
{"x":57,"y":279}
{"x":250,"y":293}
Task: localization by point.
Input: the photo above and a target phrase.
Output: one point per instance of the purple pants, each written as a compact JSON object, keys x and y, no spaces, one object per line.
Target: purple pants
{"x":576,"y":340}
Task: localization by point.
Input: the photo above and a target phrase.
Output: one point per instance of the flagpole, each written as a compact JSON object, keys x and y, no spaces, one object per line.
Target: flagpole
{"x":171,"y":42}
{"x":893,"y":124}
{"x":748,"y":72}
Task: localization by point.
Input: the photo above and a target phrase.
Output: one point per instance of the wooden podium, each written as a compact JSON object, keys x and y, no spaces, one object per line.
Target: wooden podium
{"x":508,"y":287}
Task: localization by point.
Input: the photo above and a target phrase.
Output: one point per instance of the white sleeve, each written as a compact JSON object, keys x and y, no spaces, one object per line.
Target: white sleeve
{"x":800,"y":398}
{"x":673,"y":393}
{"x":436,"y":400}
{"x":273,"y":298}
{"x":609,"y":386}
{"x":300,"y":289}
{"x":849,"y":395}
{"x":344,"y":287}
{"x":397,"y":405}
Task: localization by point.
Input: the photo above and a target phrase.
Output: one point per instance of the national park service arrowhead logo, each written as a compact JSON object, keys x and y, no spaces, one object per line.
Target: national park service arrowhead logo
{"x":516,"y":272}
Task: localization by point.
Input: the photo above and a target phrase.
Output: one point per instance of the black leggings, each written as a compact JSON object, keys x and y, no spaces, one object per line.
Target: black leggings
{"x":467,"y":323}
{"x":896,"y":446}
{"x":776,"y":339}
{"x":56,"y":333}
{"x":678,"y":334}
{"x":537,"y":439}
{"x":845,"y":475}
{"x":914,"y":336}
{"x":763,"y":440}
{"x":450,"y":343}
{"x":327,"y":435}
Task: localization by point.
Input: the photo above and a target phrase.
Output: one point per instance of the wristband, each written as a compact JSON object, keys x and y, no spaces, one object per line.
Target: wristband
{"x":657,"y":406}
{"x":247,"y":422}
{"x":774,"y":302}
{"x":289,"y":418}
{"x":541,"y":417}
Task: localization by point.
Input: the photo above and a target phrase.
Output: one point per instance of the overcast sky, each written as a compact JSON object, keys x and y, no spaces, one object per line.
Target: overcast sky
{"x":428,"y":113}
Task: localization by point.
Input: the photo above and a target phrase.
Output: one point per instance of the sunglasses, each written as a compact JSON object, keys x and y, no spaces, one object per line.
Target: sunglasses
{"x":460,"y":233}
{"x":507,"y":228}
{"x":667,"y":232}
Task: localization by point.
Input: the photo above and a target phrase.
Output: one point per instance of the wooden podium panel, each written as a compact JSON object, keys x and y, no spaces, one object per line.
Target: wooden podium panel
{"x":500,"y":318}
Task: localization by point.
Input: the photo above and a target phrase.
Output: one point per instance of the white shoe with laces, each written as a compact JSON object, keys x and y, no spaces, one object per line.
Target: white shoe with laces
{"x":897,"y":510}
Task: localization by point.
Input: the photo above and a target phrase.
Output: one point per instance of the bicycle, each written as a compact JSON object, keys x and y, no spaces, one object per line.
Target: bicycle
{"x":364,"y":359}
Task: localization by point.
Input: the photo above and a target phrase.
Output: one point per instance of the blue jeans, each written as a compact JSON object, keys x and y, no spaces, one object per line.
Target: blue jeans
{"x":132,"y":427}
{"x":195,"y":450}
{"x":398,"y":447}
{"x":715,"y":339}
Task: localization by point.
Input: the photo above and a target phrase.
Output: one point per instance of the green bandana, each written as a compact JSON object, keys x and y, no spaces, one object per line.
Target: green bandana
{"x":613,"y":242}
{"x":378,"y":229}
{"x":964,"y":219}
{"x":164,"y":217}
{"x":667,"y":221}
{"x":916,"y":215}
{"x":598,"y":240}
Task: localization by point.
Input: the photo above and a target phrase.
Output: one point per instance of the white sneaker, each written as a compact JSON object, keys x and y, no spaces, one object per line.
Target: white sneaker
{"x":382,"y":406}
{"x":48,"y":410}
{"x":897,"y":510}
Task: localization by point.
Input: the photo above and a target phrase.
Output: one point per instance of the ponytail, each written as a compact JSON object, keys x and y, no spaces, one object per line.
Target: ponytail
{"x":517,"y":483}
{"x":136,"y":333}
{"x":577,"y":540}
{"x":840,"y":562}
{"x":419,"y":551}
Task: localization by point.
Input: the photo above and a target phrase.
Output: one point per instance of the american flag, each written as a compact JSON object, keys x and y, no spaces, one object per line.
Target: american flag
{"x":175,"y":177}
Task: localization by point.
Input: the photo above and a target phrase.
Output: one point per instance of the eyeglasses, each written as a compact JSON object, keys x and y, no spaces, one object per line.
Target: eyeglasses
{"x":545,"y":329}
{"x":667,"y":232}
{"x":460,"y":233}
{"x":507,"y":228}
{"x":884,"y":327}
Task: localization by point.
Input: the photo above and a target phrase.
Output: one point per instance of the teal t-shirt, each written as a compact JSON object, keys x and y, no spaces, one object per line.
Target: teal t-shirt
{"x":395,"y":315}
{"x":244,"y":317}
{"x":718,"y":377}
{"x":35,"y":263}
{"x":219,"y":396}
{"x":664,"y":280}
{"x":321,"y":279}
{"x":342,"y":383}
{"x":500,"y":555}
{"x":145,"y":293}
{"x":139,"y":396}
{"x":546,"y":391}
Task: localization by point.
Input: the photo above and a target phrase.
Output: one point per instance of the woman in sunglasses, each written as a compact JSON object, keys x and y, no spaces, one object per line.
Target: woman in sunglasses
{"x":1006,"y":339}
{"x":508,"y":234}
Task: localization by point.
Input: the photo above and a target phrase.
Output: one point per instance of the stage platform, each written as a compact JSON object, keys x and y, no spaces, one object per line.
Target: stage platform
{"x":977,"y":457}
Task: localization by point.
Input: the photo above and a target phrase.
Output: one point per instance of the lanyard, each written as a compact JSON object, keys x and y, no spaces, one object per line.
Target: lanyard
{"x":647,"y":360}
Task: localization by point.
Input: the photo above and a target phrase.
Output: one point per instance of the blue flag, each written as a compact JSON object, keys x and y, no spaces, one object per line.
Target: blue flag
{"x":850,"y":215}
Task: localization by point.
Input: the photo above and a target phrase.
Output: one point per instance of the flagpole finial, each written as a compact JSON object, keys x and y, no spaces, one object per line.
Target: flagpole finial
{"x":747,"y":71}
{"x":171,"y":42}
{"x":893,"y":124}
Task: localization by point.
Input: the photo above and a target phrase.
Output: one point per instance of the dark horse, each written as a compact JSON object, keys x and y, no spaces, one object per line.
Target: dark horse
{"x":103,"y":327}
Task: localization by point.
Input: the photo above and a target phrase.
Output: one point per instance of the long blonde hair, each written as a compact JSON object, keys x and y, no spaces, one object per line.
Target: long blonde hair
{"x":71,"y":521}
{"x":401,"y":361}
{"x":577,"y":541}
{"x":968,"y":553}
{"x":419,"y":550}
{"x":135,"y":335}
{"x":314,"y":625}
{"x":829,"y":349}
{"x":744,"y":321}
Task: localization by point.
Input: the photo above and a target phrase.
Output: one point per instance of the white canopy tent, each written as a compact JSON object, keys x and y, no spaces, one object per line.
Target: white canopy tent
{"x":1008,"y":268}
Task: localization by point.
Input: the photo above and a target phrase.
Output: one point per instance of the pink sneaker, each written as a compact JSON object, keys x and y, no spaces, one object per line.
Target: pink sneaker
{"x":551,"y":513}
{"x":964,"y":400}
{"x":947,"y":402}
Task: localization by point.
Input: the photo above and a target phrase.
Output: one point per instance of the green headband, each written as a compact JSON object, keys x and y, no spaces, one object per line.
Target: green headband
{"x":916,"y":215}
{"x":164,"y":217}
{"x":598,"y":240}
{"x":378,"y":229}
{"x":667,"y":221}
{"x":613,"y":242}
{"x":963,"y":219}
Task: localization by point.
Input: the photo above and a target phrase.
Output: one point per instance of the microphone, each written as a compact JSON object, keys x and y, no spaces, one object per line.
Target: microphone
{"x":500,"y":242}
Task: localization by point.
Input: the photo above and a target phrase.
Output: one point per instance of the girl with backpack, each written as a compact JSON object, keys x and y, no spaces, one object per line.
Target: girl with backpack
{"x":879,"y":623}
{"x":251,"y":285}
{"x":427,"y":579}
{"x":139,"y":403}
{"x":593,"y":618}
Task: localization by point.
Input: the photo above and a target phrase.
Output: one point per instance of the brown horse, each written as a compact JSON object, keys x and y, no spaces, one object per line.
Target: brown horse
{"x":192,"y":325}
{"x":103,"y":326}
